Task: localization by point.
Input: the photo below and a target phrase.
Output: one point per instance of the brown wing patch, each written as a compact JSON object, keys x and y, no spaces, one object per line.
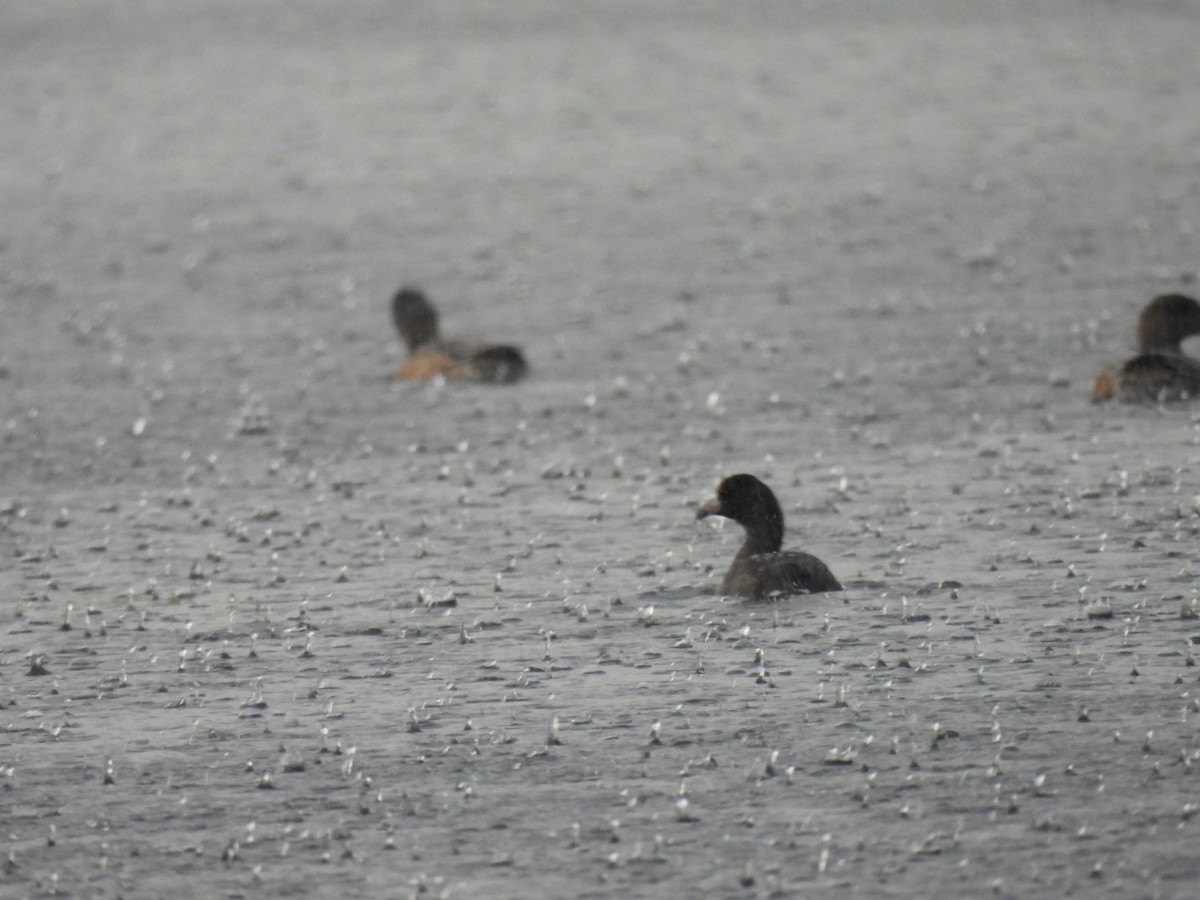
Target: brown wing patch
{"x":1104,"y":387}
{"x":425,"y":365}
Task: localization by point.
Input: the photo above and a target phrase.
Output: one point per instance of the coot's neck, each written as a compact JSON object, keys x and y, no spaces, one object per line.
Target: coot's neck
{"x":764,"y":531}
{"x":1158,"y":333}
{"x":1170,"y":345}
{"x":415,"y":318}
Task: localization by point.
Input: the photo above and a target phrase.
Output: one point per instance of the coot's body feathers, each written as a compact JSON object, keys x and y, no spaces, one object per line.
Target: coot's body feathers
{"x":1150,"y":378}
{"x":1161,"y":370}
{"x":429,"y":356}
{"x":787,"y":572}
{"x":761,"y":569}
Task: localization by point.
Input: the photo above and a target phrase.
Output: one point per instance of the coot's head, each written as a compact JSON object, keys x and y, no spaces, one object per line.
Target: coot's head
{"x":744,"y":499}
{"x":1166,"y":321}
{"x":415,"y":317}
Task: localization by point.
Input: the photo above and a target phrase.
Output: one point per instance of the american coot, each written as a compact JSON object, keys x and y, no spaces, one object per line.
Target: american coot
{"x":429,"y":356}
{"x":761,"y":569}
{"x":1161,"y":370}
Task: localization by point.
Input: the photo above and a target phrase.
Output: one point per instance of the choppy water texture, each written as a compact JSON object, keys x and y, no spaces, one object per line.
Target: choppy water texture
{"x":272,"y":624}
